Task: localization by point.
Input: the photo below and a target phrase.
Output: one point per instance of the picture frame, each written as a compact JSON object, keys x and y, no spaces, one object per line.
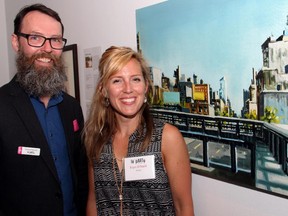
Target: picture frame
{"x":70,"y":58}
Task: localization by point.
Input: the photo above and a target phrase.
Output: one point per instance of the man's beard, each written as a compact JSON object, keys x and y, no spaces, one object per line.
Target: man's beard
{"x":40,"y":81}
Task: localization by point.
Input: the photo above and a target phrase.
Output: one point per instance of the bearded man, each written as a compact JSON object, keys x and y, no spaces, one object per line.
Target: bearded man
{"x":43,"y":165}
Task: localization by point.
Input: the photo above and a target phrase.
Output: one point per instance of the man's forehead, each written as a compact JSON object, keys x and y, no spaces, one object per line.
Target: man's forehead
{"x":37,"y":21}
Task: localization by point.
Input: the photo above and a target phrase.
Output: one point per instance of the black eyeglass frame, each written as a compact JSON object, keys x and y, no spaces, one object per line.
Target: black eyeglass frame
{"x":49,"y":39}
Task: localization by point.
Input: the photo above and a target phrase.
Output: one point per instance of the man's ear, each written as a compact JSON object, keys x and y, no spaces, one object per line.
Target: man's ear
{"x":15,"y":42}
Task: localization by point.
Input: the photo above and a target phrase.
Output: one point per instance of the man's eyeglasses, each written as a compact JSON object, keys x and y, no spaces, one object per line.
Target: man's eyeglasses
{"x":38,"y":41}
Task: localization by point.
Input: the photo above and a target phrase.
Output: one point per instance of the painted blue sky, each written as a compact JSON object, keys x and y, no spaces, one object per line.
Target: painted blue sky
{"x":211,"y":39}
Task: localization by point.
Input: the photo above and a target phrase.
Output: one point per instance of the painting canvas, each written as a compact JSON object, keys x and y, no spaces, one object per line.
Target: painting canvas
{"x":226,"y":59}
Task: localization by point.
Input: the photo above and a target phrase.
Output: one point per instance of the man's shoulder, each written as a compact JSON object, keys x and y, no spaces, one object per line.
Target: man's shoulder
{"x":9,"y":88}
{"x":69,"y":102}
{"x":70,"y":99}
{"x":5,"y":86}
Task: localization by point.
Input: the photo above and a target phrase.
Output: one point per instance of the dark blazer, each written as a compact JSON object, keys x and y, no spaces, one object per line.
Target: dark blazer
{"x":29,"y":184}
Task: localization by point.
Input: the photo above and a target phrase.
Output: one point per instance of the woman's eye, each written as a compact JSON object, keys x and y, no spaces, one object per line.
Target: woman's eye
{"x":116,"y":81}
{"x":137,"y":79}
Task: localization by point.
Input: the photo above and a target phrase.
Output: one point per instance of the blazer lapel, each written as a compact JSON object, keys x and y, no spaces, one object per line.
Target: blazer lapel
{"x":26,"y":112}
{"x":70,"y":125}
{"x":67,"y":123}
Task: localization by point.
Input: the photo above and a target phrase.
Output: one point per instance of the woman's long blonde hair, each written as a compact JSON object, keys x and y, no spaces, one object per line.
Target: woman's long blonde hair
{"x":101,"y":123}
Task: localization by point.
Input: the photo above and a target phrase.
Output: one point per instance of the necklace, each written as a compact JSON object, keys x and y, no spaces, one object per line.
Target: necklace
{"x":118,"y":158}
{"x":119,"y":188}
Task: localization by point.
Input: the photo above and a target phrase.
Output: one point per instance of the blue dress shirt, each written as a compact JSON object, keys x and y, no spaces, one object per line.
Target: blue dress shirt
{"x":52,"y":126}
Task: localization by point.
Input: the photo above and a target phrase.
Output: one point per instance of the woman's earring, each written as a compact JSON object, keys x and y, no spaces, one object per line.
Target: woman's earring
{"x":145,"y":99}
{"x":107,"y":102}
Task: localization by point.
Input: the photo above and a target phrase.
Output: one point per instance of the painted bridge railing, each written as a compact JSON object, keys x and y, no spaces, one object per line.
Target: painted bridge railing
{"x":235,"y":132}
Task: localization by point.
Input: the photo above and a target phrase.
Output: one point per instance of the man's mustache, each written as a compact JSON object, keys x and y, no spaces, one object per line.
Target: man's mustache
{"x":41,"y":55}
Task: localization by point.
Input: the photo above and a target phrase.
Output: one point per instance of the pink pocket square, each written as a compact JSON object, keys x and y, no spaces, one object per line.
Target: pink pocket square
{"x":75,"y":125}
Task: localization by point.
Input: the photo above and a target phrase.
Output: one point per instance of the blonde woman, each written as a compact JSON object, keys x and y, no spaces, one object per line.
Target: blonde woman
{"x":138,"y":165}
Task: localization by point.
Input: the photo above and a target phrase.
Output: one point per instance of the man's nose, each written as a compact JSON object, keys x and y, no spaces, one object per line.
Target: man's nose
{"x":47,"y":46}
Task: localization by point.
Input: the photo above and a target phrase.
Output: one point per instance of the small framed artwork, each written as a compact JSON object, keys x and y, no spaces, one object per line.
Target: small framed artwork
{"x":70,"y":58}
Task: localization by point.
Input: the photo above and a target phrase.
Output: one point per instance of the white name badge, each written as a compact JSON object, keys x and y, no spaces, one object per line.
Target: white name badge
{"x":22,"y":150}
{"x":139,"y":168}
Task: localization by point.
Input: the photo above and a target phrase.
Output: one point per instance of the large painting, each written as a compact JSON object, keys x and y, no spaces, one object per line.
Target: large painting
{"x":226,"y":61}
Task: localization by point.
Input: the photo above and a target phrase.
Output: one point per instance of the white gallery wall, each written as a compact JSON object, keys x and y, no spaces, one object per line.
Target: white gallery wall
{"x":98,"y":23}
{"x":4,"y":74}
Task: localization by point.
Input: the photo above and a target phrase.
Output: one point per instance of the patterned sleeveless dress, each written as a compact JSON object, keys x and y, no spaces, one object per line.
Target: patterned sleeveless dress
{"x":150,"y":197}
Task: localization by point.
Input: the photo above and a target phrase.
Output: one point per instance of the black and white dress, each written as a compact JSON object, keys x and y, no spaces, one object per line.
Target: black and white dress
{"x":142,"y":197}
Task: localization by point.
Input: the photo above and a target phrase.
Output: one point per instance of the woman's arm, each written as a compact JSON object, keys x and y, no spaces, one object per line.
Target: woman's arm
{"x":91,"y":209}
{"x":177,"y":164}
